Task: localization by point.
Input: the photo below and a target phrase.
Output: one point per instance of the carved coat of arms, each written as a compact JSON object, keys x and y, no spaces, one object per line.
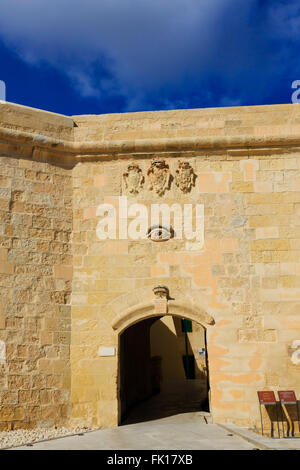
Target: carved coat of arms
{"x":159,"y":176}
{"x":133,"y":179}
{"x":185,"y":177}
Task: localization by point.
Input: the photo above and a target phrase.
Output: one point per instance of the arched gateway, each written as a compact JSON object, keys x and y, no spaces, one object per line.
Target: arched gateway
{"x":140,"y":373}
{"x":147,"y":310}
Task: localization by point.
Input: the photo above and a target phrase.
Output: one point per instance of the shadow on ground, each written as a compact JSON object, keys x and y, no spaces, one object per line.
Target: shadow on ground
{"x":187,"y":398}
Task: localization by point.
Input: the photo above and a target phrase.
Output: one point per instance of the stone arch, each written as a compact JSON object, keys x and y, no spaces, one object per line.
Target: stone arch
{"x":182,"y":308}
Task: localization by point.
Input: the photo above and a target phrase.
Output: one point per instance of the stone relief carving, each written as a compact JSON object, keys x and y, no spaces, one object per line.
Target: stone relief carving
{"x":161,"y":292}
{"x":295,"y":352}
{"x":133,"y":179}
{"x":159,"y":176}
{"x":185,"y":177}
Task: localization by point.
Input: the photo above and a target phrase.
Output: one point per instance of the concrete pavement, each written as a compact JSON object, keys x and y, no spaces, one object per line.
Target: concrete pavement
{"x":185,"y":431}
{"x":265,"y":443}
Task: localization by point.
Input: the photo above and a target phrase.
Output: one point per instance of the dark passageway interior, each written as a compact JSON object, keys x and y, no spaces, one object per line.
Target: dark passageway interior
{"x":163,"y":369}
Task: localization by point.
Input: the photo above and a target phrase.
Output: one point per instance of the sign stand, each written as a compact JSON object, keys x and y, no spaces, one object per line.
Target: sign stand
{"x":267,"y":398}
{"x":288,"y":397}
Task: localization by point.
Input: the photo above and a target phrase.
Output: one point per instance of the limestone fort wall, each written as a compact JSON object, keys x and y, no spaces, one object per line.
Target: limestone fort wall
{"x":35,"y":276}
{"x":66,"y":295}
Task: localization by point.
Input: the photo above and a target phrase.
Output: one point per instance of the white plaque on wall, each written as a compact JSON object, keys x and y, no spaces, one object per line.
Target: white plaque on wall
{"x":2,"y":352}
{"x":105,"y":351}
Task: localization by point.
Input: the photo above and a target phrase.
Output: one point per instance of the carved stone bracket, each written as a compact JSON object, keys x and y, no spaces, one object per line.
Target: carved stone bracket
{"x":161,"y":292}
{"x":161,"y":299}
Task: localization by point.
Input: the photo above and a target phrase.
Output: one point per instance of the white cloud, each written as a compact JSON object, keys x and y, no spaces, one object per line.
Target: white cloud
{"x":142,"y":47}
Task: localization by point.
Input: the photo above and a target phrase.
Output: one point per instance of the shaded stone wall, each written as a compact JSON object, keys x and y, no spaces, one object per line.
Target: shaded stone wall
{"x":168,"y":341}
{"x":35,"y":284}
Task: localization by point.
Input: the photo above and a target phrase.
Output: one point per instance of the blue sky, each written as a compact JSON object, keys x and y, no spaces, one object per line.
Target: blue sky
{"x":108,"y":56}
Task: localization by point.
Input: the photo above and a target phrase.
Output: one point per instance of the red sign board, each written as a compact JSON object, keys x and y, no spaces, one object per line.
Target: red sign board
{"x":287,"y":396}
{"x":266,"y":398}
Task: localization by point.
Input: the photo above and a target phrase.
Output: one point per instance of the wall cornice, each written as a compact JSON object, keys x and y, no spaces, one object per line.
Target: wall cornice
{"x":235,"y":131}
{"x":83,"y":150}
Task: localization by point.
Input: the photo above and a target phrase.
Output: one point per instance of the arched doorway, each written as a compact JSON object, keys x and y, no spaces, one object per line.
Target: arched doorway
{"x":163,"y":368}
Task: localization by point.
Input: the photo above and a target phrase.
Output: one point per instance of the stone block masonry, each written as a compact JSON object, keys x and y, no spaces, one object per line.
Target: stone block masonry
{"x":35,"y":278}
{"x":65,"y":294}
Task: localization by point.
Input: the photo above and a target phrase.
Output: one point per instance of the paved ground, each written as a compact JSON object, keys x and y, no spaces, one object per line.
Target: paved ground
{"x":183,"y":431}
{"x":177,"y":398}
{"x":265,"y":443}
{"x":157,"y":424}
